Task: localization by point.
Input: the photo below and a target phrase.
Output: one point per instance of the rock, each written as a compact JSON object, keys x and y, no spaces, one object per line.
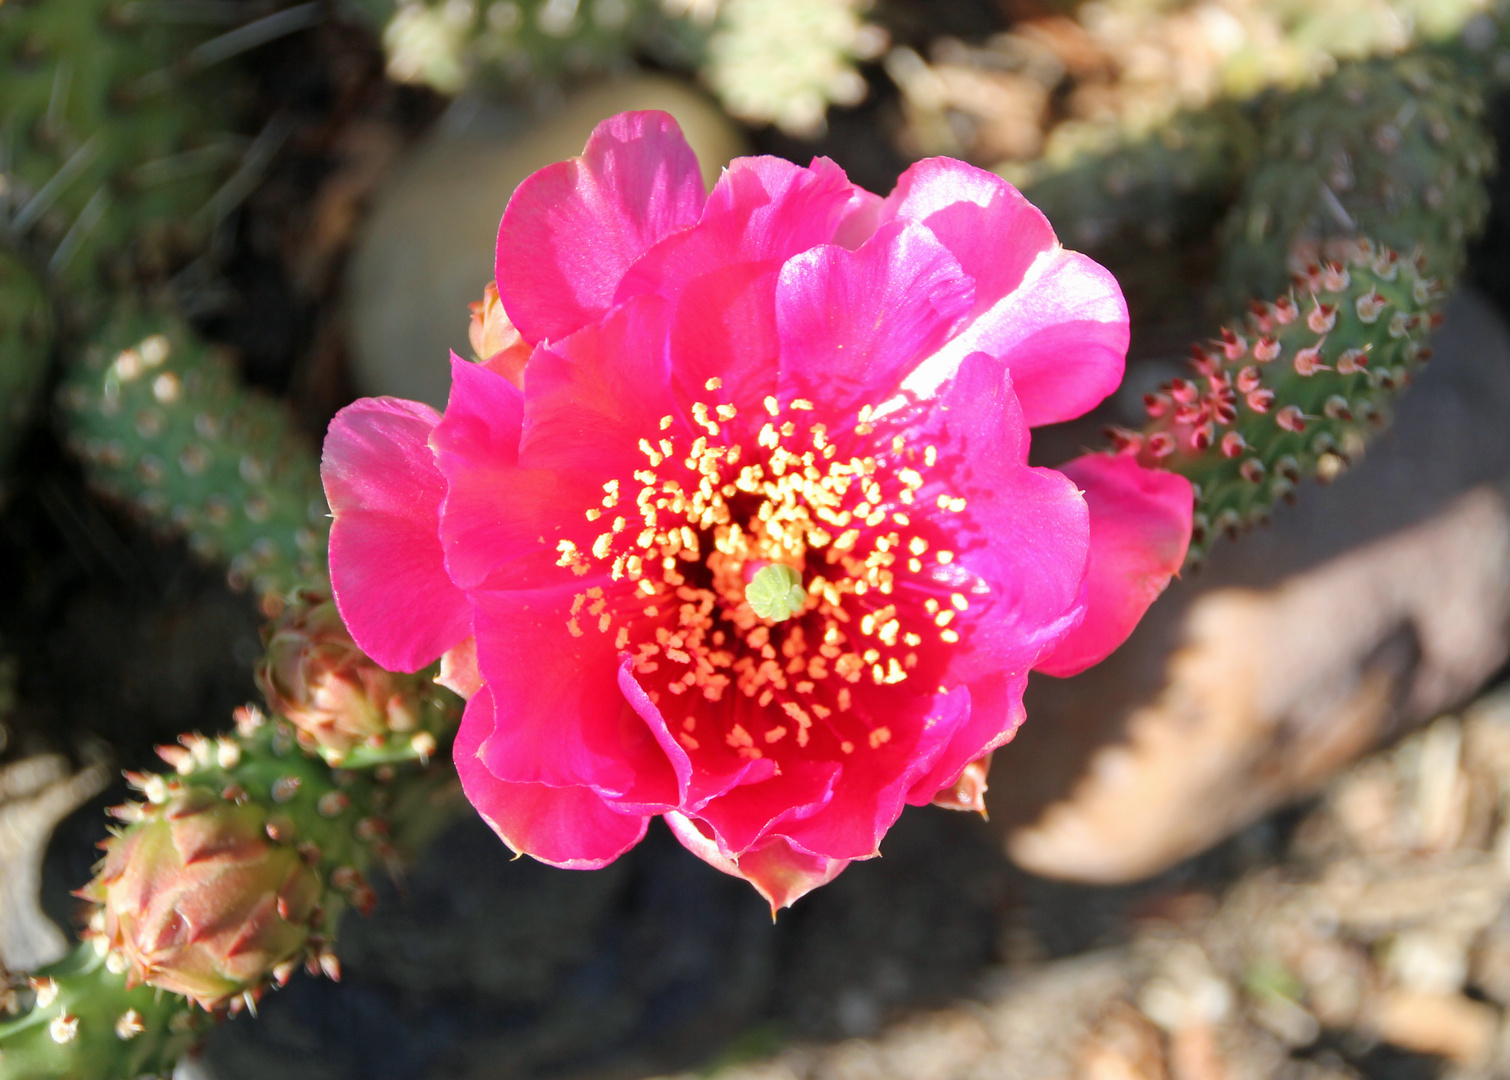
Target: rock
{"x":428,"y":248}
{"x":35,"y":794}
{"x":1366,"y":609}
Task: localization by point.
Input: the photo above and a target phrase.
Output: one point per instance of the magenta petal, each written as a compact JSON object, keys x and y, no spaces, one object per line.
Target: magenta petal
{"x":568,"y":724}
{"x":591,"y":398}
{"x":498,"y":523}
{"x":873,"y":789}
{"x":715,"y":769}
{"x":741,"y":818}
{"x":386,"y":566}
{"x":1140,"y":531}
{"x":985,"y":222}
{"x":761,"y":209}
{"x":1063,"y":333}
{"x":996,"y":712}
{"x":573,"y":228}
{"x":780,"y":871}
{"x":567,"y":827}
{"x":725,"y":328}
{"x":1022,"y":541}
{"x":852,"y":323}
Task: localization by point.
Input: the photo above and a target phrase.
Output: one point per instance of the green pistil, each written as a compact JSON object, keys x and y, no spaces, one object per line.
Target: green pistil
{"x":776,"y":593}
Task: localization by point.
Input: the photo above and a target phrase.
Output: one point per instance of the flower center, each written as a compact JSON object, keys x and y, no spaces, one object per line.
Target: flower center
{"x":772,"y":572}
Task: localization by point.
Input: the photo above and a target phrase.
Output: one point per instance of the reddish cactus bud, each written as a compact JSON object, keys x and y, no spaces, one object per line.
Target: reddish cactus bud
{"x":316,"y":677}
{"x":1249,"y":380}
{"x":1290,"y":418}
{"x":1161,"y":444}
{"x":1252,"y":470}
{"x":1183,"y":391}
{"x":1203,"y":361}
{"x":1234,"y":345}
{"x":1260,"y":400}
{"x":1266,"y":349}
{"x":1337,"y":408}
{"x":1285,"y":310}
{"x":198,"y":901}
{"x":1203,"y":436}
{"x":1335,"y":278}
{"x":1156,"y":405}
{"x":1233,"y":444}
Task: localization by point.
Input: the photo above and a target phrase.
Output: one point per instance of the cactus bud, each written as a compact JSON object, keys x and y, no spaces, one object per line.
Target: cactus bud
{"x":198,"y":901}
{"x":315,"y":677}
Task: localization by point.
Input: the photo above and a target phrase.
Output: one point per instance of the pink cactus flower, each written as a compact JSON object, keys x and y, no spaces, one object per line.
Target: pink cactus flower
{"x":750,"y":542}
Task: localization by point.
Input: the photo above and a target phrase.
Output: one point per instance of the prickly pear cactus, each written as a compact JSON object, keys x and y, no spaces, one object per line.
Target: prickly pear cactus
{"x":25,"y":348}
{"x":110,"y":170}
{"x":163,"y":425}
{"x":1390,"y":149}
{"x":1161,"y":189}
{"x":1295,"y":391}
{"x":79,"y":1020}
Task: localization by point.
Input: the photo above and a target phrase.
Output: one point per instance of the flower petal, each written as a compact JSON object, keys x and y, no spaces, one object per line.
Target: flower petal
{"x":386,"y":566}
{"x":567,"y":827}
{"x":877,"y":778}
{"x":986,"y":223}
{"x":590,"y":399}
{"x":1021,"y":540}
{"x":725,"y":328}
{"x":1056,"y":317}
{"x":1140,"y":531}
{"x":568,"y":723}
{"x":572,"y":229}
{"x":762,"y":209}
{"x":780,"y":871}
{"x":996,"y":712}
{"x":499,"y":523}
{"x":852,"y":323}
{"x":741,"y":818}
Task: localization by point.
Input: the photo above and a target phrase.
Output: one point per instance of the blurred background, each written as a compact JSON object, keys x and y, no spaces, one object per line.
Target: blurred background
{"x":1265,"y":839}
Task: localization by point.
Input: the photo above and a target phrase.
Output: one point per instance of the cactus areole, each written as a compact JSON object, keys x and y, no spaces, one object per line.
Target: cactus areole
{"x":756,"y":546}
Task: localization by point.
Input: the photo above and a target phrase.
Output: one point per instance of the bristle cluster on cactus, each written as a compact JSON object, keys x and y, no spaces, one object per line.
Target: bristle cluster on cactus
{"x":1391,"y":149}
{"x":25,"y":349}
{"x":107,"y":170}
{"x":1158,"y":190}
{"x":163,"y":424}
{"x":79,"y":1020}
{"x":1293,"y":392}
{"x":342,"y":705}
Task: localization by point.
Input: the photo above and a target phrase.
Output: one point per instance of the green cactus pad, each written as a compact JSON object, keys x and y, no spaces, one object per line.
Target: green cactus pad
{"x":162,"y":423}
{"x":1294,"y":392}
{"x":92,"y":1027}
{"x":1158,"y":190}
{"x":1390,"y":149}
{"x":108,"y":169}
